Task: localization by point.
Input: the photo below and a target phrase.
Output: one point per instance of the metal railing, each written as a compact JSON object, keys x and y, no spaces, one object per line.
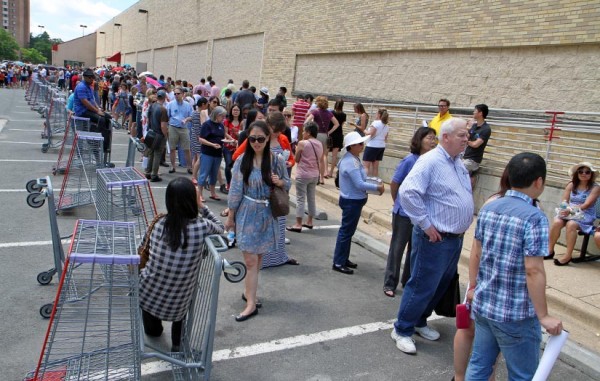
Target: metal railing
{"x":571,"y":138}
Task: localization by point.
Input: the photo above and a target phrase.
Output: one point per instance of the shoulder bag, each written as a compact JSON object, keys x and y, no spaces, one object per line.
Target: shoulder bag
{"x":144,"y":248}
{"x":279,"y":200}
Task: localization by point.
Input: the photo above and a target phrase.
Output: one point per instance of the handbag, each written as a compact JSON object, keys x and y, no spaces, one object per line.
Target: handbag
{"x":144,"y":248}
{"x":152,"y":140}
{"x":279,"y":201}
{"x":451,"y":298}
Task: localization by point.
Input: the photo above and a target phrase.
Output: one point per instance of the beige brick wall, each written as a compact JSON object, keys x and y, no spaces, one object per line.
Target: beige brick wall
{"x":191,"y":61}
{"x":519,"y":49}
{"x":82,"y":49}
{"x":237,"y":58}
{"x":164,"y":62}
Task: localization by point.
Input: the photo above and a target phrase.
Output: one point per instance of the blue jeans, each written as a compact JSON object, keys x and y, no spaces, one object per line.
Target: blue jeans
{"x":228,"y":156}
{"x":209,"y":168}
{"x":519,"y":342}
{"x":432,"y":267}
{"x":350,"y":216}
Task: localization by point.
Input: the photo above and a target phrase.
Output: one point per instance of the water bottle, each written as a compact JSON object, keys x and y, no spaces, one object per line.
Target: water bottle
{"x":230,"y":238}
{"x":563,"y":205}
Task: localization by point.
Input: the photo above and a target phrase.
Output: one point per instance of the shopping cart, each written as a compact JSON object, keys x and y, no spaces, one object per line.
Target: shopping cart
{"x":124,"y":194}
{"x":41,"y":190}
{"x":55,"y":123}
{"x":74,"y":123}
{"x":93,"y":332}
{"x":135,"y":144}
{"x":194,"y":362}
{"x":79,"y":183}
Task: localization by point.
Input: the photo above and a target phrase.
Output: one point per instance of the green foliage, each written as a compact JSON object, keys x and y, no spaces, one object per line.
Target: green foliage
{"x":32,"y":55}
{"x":8,"y":46}
{"x":43,"y":44}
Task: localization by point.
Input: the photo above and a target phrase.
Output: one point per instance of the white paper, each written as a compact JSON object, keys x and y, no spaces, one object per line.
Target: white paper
{"x":551,"y":352}
{"x":168,"y":148}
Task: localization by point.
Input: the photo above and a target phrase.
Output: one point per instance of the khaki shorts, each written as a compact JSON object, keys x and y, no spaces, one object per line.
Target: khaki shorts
{"x":179,"y":136}
{"x":471,"y":165}
{"x":322,"y":137}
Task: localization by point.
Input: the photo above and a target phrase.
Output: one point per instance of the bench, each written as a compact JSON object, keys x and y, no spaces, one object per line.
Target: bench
{"x":584,"y":257}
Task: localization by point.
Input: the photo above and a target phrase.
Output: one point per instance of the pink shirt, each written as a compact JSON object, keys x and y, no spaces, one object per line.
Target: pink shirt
{"x":308,"y":166}
{"x":215,"y":91}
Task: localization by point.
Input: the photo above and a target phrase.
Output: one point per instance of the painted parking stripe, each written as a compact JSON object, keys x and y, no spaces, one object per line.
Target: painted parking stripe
{"x":284,"y":344}
{"x":8,"y":245}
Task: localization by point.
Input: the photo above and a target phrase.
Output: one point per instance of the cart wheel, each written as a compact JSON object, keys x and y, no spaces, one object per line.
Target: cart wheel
{"x":44,"y":147}
{"x":240,"y":275}
{"x":34,"y":201}
{"x":46,"y":311}
{"x":33,"y":186}
{"x":44,"y":278}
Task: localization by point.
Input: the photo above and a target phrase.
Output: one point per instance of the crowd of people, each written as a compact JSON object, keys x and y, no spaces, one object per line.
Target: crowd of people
{"x":261,"y":138}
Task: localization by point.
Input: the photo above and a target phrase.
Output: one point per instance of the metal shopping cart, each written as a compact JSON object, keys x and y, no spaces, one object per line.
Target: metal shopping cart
{"x":135,"y":144}
{"x":41,"y":190}
{"x":74,"y":123}
{"x":79,"y":183}
{"x":194,"y":362}
{"x":124,"y":194}
{"x":93,"y":332}
{"x":55,"y":123}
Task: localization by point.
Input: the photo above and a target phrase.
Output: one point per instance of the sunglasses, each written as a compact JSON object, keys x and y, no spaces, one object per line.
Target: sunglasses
{"x":287,"y":115}
{"x":177,"y":93}
{"x":260,"y":139}
{"x":584,"y":171}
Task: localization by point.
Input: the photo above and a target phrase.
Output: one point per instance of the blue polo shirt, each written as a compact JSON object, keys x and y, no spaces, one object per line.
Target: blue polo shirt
{"x":178,"y":112}
{"x":353,"y":178}
{"x":82,"y":91}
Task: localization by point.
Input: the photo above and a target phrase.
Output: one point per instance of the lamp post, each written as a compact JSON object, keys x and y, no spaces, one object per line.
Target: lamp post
{"x":41,"y":27}
{"x":82,"y":29}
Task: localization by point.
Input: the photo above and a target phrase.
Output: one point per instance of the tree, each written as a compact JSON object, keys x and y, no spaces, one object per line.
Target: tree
{"x":32,"y":55}
{"x":43,"y":44}
{"x":8,"y":46}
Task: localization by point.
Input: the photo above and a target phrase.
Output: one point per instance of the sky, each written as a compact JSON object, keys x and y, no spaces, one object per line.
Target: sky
{"x":62,"y":18}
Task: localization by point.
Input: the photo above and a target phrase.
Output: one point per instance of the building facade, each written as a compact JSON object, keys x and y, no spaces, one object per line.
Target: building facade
{"x":15,"y":20}
{"x":532,"y":54}
{"x":76,"y":52}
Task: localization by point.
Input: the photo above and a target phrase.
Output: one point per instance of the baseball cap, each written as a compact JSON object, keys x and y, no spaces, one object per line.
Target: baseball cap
{"x":161,"y":94}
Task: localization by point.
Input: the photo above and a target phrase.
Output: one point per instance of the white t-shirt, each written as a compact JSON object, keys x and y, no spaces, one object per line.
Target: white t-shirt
{"x":378,"y":140}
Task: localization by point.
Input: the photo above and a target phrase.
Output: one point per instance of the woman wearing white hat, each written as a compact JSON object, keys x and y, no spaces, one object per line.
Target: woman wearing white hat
{"x":353,"y":196}
{"x":581,"y":193}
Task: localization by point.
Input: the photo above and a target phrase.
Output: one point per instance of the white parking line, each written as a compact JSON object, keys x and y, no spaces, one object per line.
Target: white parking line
{"x":284,"y":344}
{"x":8,"y":245}
{"x":39,"y":143}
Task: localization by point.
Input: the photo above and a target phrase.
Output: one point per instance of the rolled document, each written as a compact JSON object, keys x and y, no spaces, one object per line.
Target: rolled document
{"x":551,"y":352}
{"x":168,"y":148}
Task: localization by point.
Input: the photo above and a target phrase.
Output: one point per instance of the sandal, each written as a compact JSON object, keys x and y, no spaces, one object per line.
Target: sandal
{"x":293,"y":229}
{"x":292,"y":261}
{"x":390,"y":293}
{"x":216,"y":198}
{"x":224,"y":213}
{"x":307,"y":226}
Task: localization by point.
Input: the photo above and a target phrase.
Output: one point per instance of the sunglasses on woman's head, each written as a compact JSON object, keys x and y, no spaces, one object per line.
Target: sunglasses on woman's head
{"x":254,"y":139}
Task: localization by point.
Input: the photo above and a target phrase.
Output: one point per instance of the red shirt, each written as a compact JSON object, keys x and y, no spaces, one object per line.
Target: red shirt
{"x":233,"y":131}
{"x":300,"y":108}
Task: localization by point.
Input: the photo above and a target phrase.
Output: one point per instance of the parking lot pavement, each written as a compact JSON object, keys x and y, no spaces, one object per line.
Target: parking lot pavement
{"x":316,"y":324}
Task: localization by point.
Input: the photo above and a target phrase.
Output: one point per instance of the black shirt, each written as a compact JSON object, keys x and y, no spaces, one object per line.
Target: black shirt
{"x":484,"y":132}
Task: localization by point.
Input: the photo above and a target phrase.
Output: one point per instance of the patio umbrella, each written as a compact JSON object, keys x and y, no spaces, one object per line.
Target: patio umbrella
{"x":153,"y":82}
{"x":146,"y":73}
{"x":127,"y":66}
{"x":118,"y":69}
{"x":19,"y":63}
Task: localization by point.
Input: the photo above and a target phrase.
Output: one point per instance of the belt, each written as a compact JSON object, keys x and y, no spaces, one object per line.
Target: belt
{"x":452,"y":235}
{"x":266,"y":202}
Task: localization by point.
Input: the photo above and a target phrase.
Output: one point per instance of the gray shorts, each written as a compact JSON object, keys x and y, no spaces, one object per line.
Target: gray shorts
{"x":471,"y":165}
{"x":179,"y":136}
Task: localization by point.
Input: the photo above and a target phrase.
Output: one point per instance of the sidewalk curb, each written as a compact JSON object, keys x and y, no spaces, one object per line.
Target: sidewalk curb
{"x":586,"y":361}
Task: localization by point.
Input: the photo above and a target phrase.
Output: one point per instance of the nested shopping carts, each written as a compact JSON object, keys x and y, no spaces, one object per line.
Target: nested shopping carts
{"x":124,"y":194}
{"x":55,"y":123}
{"x":74,"y":124}
{"x":93,"y":332}
{"x":79,"y":183}
{"x":135,"y":144}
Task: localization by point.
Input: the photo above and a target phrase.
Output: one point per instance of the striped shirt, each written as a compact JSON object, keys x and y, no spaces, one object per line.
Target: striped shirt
{"x":300,"y":108}
{"x":437,"y":192}
{"x":509,"y":229}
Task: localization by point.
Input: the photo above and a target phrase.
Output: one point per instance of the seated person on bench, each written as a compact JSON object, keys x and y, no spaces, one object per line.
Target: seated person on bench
{"x":85,"y":106}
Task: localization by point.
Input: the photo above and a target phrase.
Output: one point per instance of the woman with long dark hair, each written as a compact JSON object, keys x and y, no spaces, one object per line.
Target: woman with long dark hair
{"x":168,"y":281}
{"x":256,"y":230}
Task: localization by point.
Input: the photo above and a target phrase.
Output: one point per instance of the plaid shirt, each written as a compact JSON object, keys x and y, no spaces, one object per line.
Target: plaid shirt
{"x":168,"y":280}
{"x":509,"y":229}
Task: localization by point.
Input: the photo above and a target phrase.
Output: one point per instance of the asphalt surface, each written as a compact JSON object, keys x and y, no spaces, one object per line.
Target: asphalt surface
{"x":337,"y":326}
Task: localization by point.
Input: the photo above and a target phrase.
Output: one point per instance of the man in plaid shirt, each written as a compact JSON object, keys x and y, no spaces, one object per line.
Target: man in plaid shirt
{"x":509,"y":300}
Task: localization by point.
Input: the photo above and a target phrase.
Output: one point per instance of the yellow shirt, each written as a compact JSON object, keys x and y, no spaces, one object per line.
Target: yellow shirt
{"x":436,"y":123}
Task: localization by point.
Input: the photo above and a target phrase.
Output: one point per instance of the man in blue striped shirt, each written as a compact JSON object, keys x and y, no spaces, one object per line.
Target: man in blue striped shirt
{"x":509,"y":302}
{"x":437,"y":197}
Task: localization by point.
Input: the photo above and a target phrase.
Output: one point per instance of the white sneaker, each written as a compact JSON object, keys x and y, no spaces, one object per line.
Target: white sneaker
{"x":287,"y":241}
{"x":404,"y":343}
{"x":427,"y":333}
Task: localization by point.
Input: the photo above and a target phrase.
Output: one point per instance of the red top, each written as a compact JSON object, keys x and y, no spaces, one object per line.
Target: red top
{"x":300,"y":108}
{"x":233,"y":131}
{"x":283,"y":142}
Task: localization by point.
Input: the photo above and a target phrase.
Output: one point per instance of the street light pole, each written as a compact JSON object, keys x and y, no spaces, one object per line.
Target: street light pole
{"x":41,"y":27}
{"x":82,"y":29}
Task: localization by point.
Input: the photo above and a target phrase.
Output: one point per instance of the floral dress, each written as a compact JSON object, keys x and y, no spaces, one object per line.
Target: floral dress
{"x":257,"y":232}
{"x":589,"y":215}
